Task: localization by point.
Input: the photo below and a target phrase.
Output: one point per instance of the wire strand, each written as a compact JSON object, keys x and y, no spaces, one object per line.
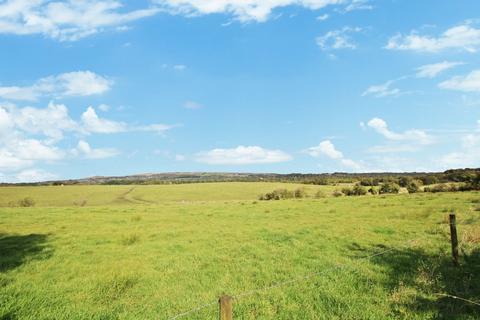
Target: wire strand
{"x":458,"y":298}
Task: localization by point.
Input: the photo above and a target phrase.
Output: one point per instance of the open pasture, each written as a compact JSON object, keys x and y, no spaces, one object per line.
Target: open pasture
{"x":152,"y":252}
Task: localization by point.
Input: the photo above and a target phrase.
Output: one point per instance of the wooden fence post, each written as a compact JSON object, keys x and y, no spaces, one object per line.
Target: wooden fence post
{"x":453,"y":238}
{"x":226,"y":308}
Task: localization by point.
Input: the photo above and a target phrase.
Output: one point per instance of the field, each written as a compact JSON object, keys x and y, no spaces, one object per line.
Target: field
{"x":152,"y":252}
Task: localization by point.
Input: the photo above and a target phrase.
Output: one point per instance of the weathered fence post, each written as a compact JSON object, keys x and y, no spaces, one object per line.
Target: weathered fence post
{"x":226,"y":308}
{"x":454,"y":239}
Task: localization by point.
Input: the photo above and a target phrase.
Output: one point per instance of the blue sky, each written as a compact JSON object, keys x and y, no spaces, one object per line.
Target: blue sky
{"x":103,"y":87}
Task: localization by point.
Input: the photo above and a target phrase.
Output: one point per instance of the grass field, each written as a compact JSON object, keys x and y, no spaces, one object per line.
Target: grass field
{"x":151,"y":252}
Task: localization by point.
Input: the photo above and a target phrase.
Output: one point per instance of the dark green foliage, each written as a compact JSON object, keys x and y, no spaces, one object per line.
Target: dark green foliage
{"x":389,"y":187}
{"x":413,"y":186}
{"x":280,"y":194}
{"x":405,"y":181}
{"x":357,"y":190}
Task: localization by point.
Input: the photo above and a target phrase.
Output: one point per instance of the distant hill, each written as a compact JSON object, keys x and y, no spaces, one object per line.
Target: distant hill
{"x":454,"y":175}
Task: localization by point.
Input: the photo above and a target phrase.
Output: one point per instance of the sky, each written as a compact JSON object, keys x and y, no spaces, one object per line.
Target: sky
{"x":116,"y":87}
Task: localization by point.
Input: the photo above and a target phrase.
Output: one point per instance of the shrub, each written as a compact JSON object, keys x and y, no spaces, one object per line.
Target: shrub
{"x":26,"y":202}
{"x":413,"y":186}
{"x":283,"y":194}
{"x":389,"y":187}
{"x":444,"y":187}
{"x":347,"y":191}
{"x":300,"y":193}
{"x":372,"y":191}
{"x":405,"y":181}
{"x":337,"y":193}
{"x":369,"y":182}
{"x":357,"y":190}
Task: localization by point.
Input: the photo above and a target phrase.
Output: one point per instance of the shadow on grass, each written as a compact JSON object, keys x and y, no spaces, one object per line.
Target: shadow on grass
{"x":415,"y":279}
{"x":15,"y":250}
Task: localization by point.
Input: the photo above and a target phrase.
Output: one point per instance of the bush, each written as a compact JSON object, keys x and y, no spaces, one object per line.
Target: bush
{"x":283,"y":194}
{"x":26,"y":202}
{"x":300,"y":193}
{"x":444,"y":187}
{"x":413,"y":186}
{"x":337,"y":193}
{"x":357,"y":190}
{"x":405,"y":181}
{"x":389,"y":187}
{"x":372,"y":191}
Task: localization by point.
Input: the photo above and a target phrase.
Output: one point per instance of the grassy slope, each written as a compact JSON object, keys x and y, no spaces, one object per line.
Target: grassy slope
{"x":59,"y":196}
{"x":143,"y":260}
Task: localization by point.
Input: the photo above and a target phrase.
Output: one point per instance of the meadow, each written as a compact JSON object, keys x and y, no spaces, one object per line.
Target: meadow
{"x":153,"y":252}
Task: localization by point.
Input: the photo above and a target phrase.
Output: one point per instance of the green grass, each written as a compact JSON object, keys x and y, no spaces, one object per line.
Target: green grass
{"x":118,"y":257}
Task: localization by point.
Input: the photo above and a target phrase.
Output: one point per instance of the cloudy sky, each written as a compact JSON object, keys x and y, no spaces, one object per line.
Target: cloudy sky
{"x":116,"y":87}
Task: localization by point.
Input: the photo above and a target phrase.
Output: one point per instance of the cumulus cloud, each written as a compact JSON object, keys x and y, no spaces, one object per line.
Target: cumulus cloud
{"x":78,"y":83}
{"x":242,"y":155}
{"x":433,"y":70}
{"x":338,"y":39}
{"x":31,"y":135}
{"x":327,"y":148}
{"x":382,"y":90}
{"x":93,"y":123}
{"x":461,"y":37}
{"x":248,"y":10}
{"x":84,"y":150}
{"x":413,"y":135}
{"x":68,"y":20}
{"x":468,"y":83}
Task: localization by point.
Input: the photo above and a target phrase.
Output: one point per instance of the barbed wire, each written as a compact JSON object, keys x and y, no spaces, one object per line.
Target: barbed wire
{"x":194,"y":310}
{"x":457,"y":298}
{"x":284,"y":283}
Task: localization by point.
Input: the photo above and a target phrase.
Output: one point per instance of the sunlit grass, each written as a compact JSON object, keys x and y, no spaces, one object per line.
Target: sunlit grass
{"x":182,"y":246}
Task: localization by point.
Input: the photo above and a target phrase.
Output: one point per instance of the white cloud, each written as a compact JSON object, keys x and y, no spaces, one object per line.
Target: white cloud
{"x":468,"y":153}
{"x":338,"y":39}
{"x":192,"y":105}
{"x":327,"y":148}
{"x":243,"y":155}
{"x":242,"y":10}
{"x":83,"y":149}
{"x":463,"y":37}
{"x":468,"y":83}
{"x":35,"y":175}
{"x":52,"y":121}
{"x":382,"y":90}
{"x":414,"y":135}
{"x":69,"y":20}
{"x":432,"y":70}
{"x":323,"y":17}
{"x":9,"y":161}
{"x":358,"y":5}
{"x":78,"y":83}
{"x":92,"y":123}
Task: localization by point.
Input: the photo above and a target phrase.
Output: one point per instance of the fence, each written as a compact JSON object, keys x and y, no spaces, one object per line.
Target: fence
{"x":225,"y":303}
